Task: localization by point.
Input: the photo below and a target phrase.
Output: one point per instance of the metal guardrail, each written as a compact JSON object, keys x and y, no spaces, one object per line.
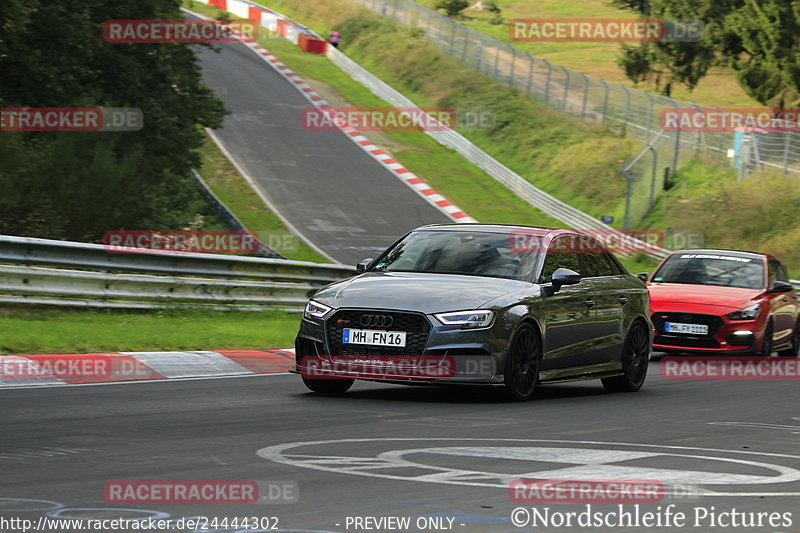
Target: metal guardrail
{"x":636,"y":111}
{"x":43,"y":271}
{"x":228,"y":216}
{"x":517,"y":184}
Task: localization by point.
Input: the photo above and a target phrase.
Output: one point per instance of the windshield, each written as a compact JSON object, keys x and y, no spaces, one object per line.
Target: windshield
{"x":712,"y":269}
{"x":458,"y":252}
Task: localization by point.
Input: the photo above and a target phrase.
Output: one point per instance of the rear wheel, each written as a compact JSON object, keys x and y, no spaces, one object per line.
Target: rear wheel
{"x":794,"y":348}
{"x":521,"y":374}
{"x":635,"y":358}
{"x":329,"y":386}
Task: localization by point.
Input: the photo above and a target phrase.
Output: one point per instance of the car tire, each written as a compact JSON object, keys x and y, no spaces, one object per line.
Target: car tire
{"x":330,"y":387}
{"x":635,"y":358}
{"x":794,"y":349}
{"x":521,"y":375}
{"x":766,"y":345}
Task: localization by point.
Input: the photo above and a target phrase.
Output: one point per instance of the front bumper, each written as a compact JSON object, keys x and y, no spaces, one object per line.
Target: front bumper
{"x":728,"y":337}
{"x":446,"y":354}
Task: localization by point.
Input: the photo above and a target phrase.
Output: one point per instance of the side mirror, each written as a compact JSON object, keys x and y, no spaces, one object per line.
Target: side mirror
{"x":565,"y":276}
{"x":780,"y":286}
{"x":643,"y":276}
{"x":363,"y":264}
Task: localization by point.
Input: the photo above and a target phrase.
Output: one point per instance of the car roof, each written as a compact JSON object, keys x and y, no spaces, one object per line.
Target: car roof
{"x":495,"y":228}
{"x":736,"y":253}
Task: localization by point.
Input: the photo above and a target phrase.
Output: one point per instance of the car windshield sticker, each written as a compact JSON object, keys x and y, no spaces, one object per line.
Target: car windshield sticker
{"x":724,"y":257}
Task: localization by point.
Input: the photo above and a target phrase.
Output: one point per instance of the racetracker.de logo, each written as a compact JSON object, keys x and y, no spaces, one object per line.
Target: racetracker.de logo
{"x":180,"y":241}
{"x":200,"y":492}
{"x":72,"y":368}
{"x":604,"y":30}
{"x":378,"y":366}
{"x":378,"y":118}
{"x":71,"y":119}
{"x":586,"y":491}
{"x":730,"y":120}
{"x":618,"y":241}
{"x":730,"y":368}
{"x":179,"y":31}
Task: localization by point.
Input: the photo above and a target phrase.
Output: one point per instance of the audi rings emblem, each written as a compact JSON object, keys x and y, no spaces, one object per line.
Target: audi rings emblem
{"x":377,"y":321}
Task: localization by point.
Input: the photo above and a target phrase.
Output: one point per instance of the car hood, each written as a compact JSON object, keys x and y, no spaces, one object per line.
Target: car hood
{"x":683,"y":293}
{"x":415,"y":291}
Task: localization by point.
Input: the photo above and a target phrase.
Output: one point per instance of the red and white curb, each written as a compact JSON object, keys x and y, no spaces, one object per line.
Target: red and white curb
{"x":77,"y":369}
{"x":398,"y":170}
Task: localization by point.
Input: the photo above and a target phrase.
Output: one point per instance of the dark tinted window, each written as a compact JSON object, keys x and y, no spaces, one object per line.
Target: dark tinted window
{"x":459,"y":252}
{"x":783,"y":275}
{"x":596,"y":262}
{"x":772,"y":275}
{"x":560,"y":254}
{"x":712,"y":268}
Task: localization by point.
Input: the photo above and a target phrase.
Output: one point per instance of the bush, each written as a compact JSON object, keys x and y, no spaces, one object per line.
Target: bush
{"x":452,"y":8}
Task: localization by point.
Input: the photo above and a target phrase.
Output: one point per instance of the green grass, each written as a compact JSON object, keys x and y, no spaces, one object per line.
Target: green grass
{"x":554,"y":150}
{"x":475,"y":192}
{"x":221,"y":176}
{"x":718,"y":88}
{"x":35,"y":331}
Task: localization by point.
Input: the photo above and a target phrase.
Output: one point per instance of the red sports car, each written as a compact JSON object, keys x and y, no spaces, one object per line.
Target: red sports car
{"x":724,"y":301}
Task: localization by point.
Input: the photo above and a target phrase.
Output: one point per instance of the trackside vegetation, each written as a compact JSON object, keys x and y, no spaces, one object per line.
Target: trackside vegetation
{"x":576,"y":162}
{"x":77,"y":185}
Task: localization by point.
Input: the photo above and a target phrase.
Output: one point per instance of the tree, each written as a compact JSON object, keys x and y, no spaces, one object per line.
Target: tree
{"x":493,"y":8}
{"x":757,"y":38}
{"x":452,"y":8}
{"x":52,"y":54}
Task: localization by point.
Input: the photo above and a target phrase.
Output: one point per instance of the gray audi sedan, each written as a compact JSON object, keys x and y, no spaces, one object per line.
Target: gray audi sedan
{"x":512,"y":306}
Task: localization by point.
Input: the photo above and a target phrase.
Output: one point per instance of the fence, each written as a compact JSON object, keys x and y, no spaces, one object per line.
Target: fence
{"x":71,"y":274}
{"x":517,"y":184}
{"x":634,"y":112}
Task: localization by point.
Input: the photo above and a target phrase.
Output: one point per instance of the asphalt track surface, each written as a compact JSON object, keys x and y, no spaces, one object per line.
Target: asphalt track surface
{"x":330,"y":190}
{"x":62,"y":445}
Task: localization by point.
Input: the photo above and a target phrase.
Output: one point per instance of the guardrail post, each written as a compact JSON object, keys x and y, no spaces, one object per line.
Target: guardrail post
{"x":513,"y":60}
{"x":547,"y":83}
{"x":605,"y":101}
{"x":653,"y":178}
{"x":566,"y":89}
{"x":531,"y":66}
{"x":675,"y":155}
{"x":628,"y":189}
{"x":650,"y":111}
{"x":786,"y":145}
{"x":627,"y":109}
{"x":585,"y":94}
{"x":496,"y":63}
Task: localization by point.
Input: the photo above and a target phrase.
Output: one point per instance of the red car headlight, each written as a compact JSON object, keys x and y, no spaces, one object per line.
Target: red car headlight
{"x":748,"y":313}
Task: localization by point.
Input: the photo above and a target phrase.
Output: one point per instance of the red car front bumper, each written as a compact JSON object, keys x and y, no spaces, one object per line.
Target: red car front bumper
{"x":724,"y":336}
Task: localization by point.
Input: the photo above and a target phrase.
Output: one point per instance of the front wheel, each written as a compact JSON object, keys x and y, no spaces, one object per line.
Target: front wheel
{"x":794,"y":349}
{"x":635,"y":358}
{"x":521,"y":374}
{"x":331,"y":387}
{"x":766,"y":345}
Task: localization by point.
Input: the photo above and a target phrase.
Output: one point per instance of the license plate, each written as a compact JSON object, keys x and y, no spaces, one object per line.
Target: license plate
{"x":694,"y":329}
{"x":374,"y":337}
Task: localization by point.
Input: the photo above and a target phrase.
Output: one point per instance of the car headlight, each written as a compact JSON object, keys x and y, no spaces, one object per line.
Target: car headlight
{"x":480,"y":318}
{"x":748,"y":313}
{"x":315,"y":310}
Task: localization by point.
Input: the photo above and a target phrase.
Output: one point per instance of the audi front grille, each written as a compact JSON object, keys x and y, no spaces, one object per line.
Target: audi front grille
{"x":415,"y":325}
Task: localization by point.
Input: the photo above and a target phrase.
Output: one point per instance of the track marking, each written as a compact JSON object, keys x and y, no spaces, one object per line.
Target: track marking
{"x":589,"y":461}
